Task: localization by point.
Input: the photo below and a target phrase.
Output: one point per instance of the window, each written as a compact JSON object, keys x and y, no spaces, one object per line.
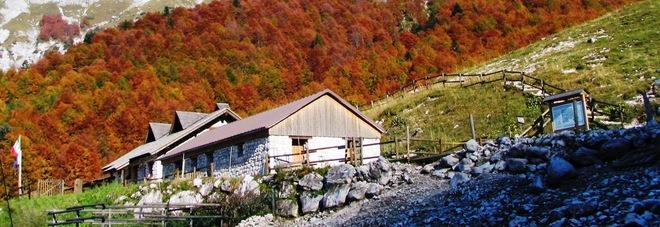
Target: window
{"x":240,"y":152}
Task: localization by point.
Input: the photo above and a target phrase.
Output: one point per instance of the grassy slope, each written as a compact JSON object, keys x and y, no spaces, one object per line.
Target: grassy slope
{"x":623,"y":58}
{"x":32,"y":212}
{"x":627,"y":46}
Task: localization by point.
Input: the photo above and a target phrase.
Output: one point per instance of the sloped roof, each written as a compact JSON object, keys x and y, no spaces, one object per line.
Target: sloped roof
{"x":221,"y":105}
{"x":565,"y":95}
{"x":185,"y":119}
{"x":158,"y":130}
{"x":154,"y":147}
{"x":261,"y":121}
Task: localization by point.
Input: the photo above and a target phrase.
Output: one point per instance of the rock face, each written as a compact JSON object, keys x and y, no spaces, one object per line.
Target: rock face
{"x":311,"y":181}
{"x":559,"y":169}
{"x":309,"y":202}
{"x":287,"y":208}
{"x":335,"y":196}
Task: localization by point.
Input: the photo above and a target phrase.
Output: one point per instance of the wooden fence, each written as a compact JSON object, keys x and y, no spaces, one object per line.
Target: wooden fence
{"x":469,"y":80}
{"x":147,"y":214}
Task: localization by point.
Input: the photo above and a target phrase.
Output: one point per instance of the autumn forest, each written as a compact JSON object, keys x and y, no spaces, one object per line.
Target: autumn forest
{"x":78,"y":111}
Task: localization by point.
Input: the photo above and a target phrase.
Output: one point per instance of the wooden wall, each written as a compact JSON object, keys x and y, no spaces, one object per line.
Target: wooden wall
{"x":325,"y":117}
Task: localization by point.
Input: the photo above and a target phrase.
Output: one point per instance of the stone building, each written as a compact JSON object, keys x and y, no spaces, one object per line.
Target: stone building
{"x":318,"y":130}
{"x":140,"y":163}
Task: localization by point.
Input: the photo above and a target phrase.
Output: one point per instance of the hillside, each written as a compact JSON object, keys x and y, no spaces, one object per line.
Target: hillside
{"x":81,"y":109}
{"x":613,"y":57}
{"x":19,"y":23}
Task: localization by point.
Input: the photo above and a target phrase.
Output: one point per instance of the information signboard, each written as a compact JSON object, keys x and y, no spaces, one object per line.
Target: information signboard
{"x":564,"y":115}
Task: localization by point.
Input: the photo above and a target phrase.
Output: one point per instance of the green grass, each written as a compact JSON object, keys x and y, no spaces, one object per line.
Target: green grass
{"x":623,"y":59}
{"x":626,"y":44}
{"x":32,"y":212}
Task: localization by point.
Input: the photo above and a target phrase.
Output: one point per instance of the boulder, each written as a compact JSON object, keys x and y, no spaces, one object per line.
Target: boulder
{"x":335,"y":196}
{"x":500,"y":165}
{"x":516,"y":165}
{"x":362,"y":173}
{"x":225,"y":186}
{"x":381,"y":171}
{"x":428,"y":168}
{"x":152,"y":197}
{"x":559,"y":169}
{"x":373,"y":189}
{"x":441,"y":173}
{"x":537,"y":184}
{"x":197,"y":182}
{"x":311,"y":181}
{"x":538,"y":152}
{"x":287,"y":208}
{"x":504,"y":141}
{"x":450,"y":160}
{"x":206,"y":189}
{"x":483,"y":168}
{"x":584,"y":156}
{"x":459,"y":178}
{"x":248,"y":186}
{"x":186,"y":197}
{"x":340,"y":174}
{"x":309,"y":202}
{"x":407,"y":178}
{"x":614,"y":148}
{"x":357,"y":191}
{"x":472,"y":146}
{"x":287,"y":190}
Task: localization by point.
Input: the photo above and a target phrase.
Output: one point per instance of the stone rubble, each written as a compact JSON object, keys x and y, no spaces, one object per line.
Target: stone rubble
{"x":590,"y":178}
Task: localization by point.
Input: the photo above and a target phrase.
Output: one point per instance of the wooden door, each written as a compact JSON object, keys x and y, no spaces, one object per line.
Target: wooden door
{"x":298,"y":150}
{"x":354,"y":151}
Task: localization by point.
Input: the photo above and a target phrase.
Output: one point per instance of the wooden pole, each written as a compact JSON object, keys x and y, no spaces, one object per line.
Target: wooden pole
{"x":183,"y":165}
{"x":474,"y":133}
{"x":584,"y":111}
{"x":408,"y":143}
{"x":396,"y":147}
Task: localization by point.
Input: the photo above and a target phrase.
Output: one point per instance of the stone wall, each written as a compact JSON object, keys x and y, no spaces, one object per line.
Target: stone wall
{"x":248,"y":159}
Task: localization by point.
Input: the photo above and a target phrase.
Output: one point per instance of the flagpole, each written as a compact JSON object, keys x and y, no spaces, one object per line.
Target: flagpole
{"x":20,"y":169}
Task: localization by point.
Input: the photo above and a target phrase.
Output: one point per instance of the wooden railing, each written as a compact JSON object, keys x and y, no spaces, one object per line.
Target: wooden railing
{"x":147,"y":214}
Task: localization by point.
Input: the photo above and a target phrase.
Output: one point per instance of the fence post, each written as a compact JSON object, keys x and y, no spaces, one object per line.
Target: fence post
{"x":460,"y":78}
{"x":440,"y":145}
{"x":504,"y":77}
{"x":522,"y":80}
{"x":474,"y":133}
{"x":61,"y":187}
{"x":542,"y":89}
{"x":408,"y":143}
{"x":620,"y":114}
{"x":396,"y":147}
